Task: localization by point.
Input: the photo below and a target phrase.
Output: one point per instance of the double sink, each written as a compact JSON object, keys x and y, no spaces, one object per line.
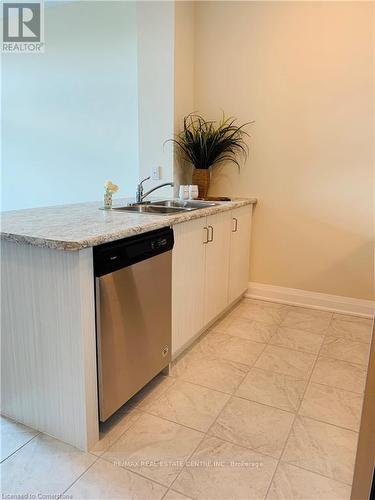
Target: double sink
{"x":165,"y":207}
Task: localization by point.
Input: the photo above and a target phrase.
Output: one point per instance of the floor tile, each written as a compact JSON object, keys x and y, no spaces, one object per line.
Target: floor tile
{"x":293,"y":483}
{"x":280,"y":360}
{"x":274,"y":389}
{"x":155,"y":448}
{"x":154,"y":389}
{"x":253,"y":425}
{"x":44,"y":466}
{"x":146,"y":446}
{"x":351,"y":328}
{"x":222,"y":324}
{"x":331,"y":405}
{"x":107,"y":481}
{"x":250,"y":329}
{"x":174,"y":495}
{"x":322,"y":448}
{"x":299,"y":340}
{"x":347,"y":350}
{"x":262,"y":311}
{"x":310,"y":320}
{"x":234,"y":349}
{"x":340,"y":374}
{"x":113,"y":428}
{"x":190,"y":405}
{"x":13,"y":436}
{"x":211,"y":372}
{"x":220,"y":470}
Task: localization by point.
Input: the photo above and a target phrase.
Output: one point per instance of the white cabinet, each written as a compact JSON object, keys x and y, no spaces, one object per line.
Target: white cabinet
{"x":239,"y":252}
{"x":217,"y":264}
{"x":209,"y":271}
{"x":188,"y":272}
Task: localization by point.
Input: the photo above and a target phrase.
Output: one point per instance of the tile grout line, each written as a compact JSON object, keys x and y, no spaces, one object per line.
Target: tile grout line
{"x":138,"y":406}
{"x":97,"y":458}
{"x":338,"y":388}
{"x":358,"y":365}
{"x":336,"y":336}
{"x":327,"y":423}
{"x":79,"y":477}
{"x":132,"y":472}
{"x":180,"y":377}
{"x":317,"y":473}
{"x":22,"y":446}
{"x":187,"y":459}
{"x":119,"y":437}
{"x":295,"y":416}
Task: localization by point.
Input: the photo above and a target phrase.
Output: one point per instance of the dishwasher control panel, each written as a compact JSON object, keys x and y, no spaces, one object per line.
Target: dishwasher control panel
{"x":159,"y":243}
{"x":115,"y":255}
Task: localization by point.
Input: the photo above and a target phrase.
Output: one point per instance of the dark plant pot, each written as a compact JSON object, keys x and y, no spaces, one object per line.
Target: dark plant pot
{"x":201,"y":177}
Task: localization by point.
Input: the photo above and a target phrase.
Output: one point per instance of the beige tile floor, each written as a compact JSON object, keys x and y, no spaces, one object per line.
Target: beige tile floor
{"x":266,"y":405}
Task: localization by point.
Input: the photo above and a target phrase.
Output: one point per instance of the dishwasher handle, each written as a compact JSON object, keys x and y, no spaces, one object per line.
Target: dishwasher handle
{"x":111,"y":257}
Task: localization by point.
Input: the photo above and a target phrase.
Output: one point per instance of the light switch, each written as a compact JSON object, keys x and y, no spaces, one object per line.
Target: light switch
{"x":155,"y":173}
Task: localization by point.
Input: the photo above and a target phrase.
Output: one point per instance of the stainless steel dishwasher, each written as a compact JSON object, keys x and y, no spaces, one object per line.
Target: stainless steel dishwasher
{"x":133,"y":314}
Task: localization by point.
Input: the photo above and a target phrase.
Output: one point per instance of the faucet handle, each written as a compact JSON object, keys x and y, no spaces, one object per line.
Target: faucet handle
{"x":139,"y":193}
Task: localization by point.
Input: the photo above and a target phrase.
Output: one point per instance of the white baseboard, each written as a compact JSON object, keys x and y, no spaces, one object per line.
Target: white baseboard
{"x":313,"y":300}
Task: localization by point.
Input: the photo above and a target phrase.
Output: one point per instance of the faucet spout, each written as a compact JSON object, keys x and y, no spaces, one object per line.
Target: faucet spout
{"x":139,"y":197}
{"x":155,"y":188}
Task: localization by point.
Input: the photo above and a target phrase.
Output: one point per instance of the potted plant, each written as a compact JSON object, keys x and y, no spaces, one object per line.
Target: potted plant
{"x":204,"y":144}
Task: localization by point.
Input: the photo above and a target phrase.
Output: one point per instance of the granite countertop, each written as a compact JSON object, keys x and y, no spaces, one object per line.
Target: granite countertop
{"x":82,"y":225}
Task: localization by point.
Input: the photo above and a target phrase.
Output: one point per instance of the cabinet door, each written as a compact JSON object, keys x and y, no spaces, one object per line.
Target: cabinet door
{"x":217,"y":264}
{"x":188,"y":270}
{"x":239,"y":252}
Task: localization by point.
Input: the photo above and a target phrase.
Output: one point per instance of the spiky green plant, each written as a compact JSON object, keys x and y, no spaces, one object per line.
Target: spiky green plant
{"x":207,"y":143}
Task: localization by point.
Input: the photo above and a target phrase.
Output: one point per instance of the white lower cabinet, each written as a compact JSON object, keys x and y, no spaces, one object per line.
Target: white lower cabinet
{"x":209,"y":271}
{"x":188,"y":272}
{"x":217,"y":265}
{"x":239,"y":261}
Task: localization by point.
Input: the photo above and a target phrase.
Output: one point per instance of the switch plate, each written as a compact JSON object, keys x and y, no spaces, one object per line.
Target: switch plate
{"x":155,"y":173}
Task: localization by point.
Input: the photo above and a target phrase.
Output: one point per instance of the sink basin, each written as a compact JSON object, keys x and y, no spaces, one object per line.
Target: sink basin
{"x":165,"y":207}
{"x":187,"y":204}
{"x":151,"y":209}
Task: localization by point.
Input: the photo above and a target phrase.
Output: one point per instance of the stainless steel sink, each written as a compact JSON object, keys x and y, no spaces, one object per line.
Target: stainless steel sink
{"x":150,"y":209}
{"x":187,"y":204}
{"x":165,"y":207}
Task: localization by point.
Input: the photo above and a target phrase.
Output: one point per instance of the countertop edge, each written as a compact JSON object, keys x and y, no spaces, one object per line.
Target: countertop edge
{"x":167,"y":221}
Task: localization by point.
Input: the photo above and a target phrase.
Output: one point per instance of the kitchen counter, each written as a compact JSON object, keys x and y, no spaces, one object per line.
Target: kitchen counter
{"x":82,"y":225}
{"x":48,"y":348}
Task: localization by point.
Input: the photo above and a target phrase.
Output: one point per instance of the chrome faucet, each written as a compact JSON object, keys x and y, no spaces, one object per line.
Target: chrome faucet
{"x":139,"y":197}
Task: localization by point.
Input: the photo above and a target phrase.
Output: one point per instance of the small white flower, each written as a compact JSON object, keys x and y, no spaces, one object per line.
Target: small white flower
{"x":110,"y":187}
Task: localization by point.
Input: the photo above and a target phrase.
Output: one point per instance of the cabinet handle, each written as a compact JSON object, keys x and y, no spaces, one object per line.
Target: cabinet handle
{"x":235,"y":225}
{"x":207,"y":234}
{"x":210,"y":237}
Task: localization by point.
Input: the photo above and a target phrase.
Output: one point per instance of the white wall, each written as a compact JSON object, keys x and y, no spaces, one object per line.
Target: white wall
{"x":155,"y":23}
{"x":184,"y":63}
{"x":305,"y":72}
{"x":70,"y":115}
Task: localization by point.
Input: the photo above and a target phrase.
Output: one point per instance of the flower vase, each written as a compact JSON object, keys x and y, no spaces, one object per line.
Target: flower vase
{"x":201,"y":178}
{"x":107,"y":201}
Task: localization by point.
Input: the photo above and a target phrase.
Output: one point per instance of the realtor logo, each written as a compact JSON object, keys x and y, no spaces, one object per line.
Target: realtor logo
{"x":22,"y":27}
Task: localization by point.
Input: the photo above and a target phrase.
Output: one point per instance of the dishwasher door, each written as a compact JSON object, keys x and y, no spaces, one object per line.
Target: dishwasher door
{"x":133,"y":307}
